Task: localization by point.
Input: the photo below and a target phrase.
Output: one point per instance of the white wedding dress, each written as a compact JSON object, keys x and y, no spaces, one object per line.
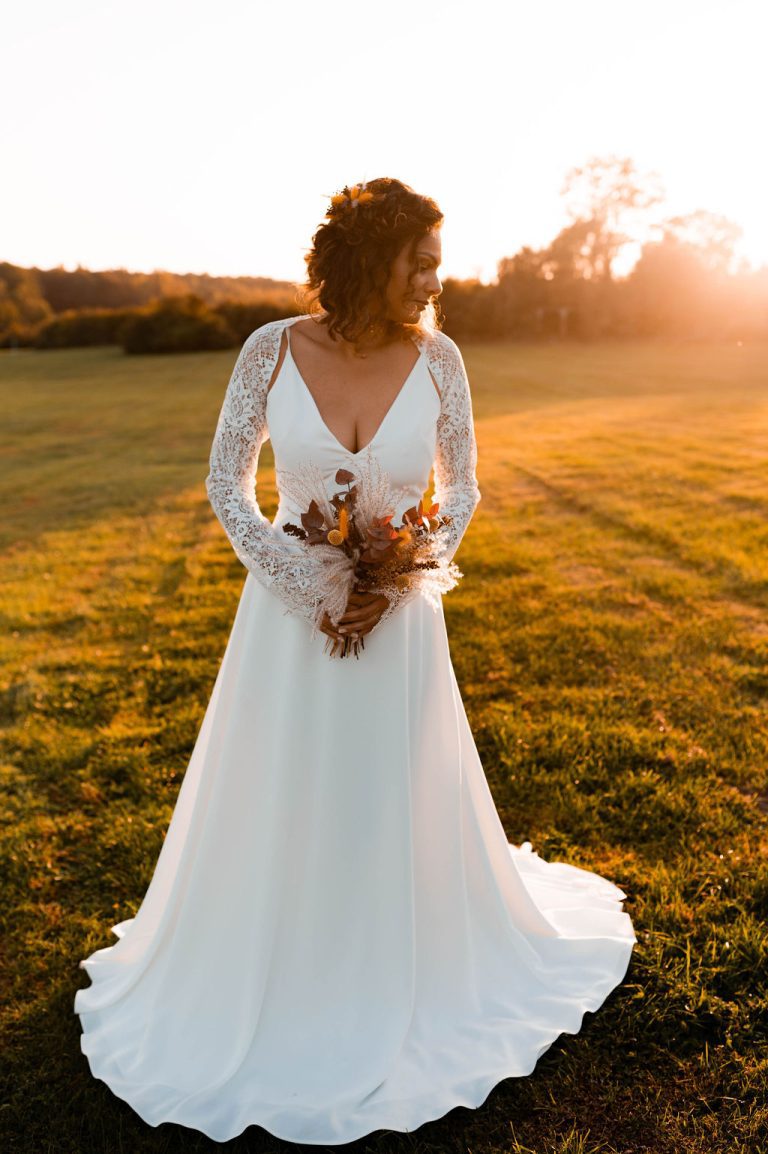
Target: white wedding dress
{"x":338,"y":937}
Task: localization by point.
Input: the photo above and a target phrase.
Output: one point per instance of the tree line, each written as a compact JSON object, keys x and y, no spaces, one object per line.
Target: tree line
{"x":686,"y":283}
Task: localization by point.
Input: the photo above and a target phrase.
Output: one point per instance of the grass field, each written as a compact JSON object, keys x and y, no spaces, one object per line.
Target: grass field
{"x":610,"y":638}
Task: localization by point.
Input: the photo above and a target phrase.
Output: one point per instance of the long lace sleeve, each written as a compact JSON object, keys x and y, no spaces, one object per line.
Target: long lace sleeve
{"x":288,"y":571}
{"x":455,"y":465}
{"x":456,"y":487}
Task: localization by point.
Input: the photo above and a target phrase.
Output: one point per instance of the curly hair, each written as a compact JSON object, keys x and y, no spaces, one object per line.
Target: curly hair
{"x":352,"y":253}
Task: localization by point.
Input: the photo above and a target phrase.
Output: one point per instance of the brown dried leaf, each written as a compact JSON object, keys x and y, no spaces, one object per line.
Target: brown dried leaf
{"x":313,"y":518}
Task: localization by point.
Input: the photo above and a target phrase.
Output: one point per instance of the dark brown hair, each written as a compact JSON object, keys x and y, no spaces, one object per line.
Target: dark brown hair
{"x":349,"y":263}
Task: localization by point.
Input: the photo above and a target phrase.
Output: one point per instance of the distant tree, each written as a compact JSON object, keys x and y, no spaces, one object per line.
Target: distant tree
{"x":603,"y":196}
{"x":23,"y":306}
{"x":569,"y":256}
{"x":712,"y":237}
{"x":242,"y":318}
{"x":467,"y":308}
{"x":548,"y":292}
{"x":179,"y":324}
{"x":119,"y":288}
{"x":670,"y":293}
{"x":79,"y":328}
{"x":520,"y":293}
{"x":525,"y":265}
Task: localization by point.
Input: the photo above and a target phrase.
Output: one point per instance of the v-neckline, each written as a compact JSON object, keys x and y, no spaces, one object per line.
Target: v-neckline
{"x":385,"y":418}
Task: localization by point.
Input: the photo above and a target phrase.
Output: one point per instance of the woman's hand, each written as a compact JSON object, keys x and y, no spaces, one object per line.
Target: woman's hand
{"x":361,"y":615}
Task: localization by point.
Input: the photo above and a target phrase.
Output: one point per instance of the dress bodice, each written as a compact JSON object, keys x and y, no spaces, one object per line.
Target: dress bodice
{"x":404,"y":443}
{"x":422,"y":429}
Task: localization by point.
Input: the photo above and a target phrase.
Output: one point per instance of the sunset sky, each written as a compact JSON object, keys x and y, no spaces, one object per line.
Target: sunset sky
{"x":208,"y":137}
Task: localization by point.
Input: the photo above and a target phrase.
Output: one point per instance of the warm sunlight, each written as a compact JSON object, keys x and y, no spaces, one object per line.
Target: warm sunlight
{"x":195,"y":138}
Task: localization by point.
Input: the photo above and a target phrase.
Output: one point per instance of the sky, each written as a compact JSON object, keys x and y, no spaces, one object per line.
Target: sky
{"x":209,"y":137}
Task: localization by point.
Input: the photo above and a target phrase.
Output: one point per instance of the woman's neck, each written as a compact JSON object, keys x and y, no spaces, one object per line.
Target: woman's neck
{"x":373,"y":340}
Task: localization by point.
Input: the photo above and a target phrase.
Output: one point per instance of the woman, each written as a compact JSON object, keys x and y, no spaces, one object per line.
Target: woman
{"x":338,"y":937}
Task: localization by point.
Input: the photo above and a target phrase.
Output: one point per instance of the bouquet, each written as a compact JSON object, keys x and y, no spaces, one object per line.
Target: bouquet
{"x":362,"y":549}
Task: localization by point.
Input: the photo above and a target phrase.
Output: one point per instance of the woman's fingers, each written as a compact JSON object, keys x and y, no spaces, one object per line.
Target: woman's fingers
{"x":330,"y":629}
{"x":362,"y":613}
{"x":356,"y":614}
{"x":364,"y":618}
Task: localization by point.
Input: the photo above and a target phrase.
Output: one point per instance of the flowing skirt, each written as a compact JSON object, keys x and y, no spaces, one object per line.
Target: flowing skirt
{"x":338,"y":937}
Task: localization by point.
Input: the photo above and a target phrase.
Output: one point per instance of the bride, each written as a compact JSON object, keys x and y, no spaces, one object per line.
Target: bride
{"x":338,"y":937}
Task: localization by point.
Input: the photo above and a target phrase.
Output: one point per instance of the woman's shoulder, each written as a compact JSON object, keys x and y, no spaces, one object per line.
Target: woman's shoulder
{"x":441,"y":340}
{"x":444,"y":354}
{"x":263,"y":344}
{"x":271,"y":329}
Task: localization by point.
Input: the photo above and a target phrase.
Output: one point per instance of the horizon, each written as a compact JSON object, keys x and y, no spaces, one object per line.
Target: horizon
{"x":163,"y":121}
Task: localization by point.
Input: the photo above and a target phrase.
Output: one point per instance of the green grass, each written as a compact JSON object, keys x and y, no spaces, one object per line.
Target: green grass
{"x":610,"y":638}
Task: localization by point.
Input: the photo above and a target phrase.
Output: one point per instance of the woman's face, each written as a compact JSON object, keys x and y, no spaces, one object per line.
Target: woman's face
{"x":413,"y":278}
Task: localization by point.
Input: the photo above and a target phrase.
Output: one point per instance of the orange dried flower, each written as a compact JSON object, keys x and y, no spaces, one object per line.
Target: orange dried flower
{"x":356,"y":194}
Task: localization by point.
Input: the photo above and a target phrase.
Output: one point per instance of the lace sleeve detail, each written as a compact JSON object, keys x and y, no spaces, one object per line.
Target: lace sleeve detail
{"x":279,"y":565}
{"x":456,"y":487}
